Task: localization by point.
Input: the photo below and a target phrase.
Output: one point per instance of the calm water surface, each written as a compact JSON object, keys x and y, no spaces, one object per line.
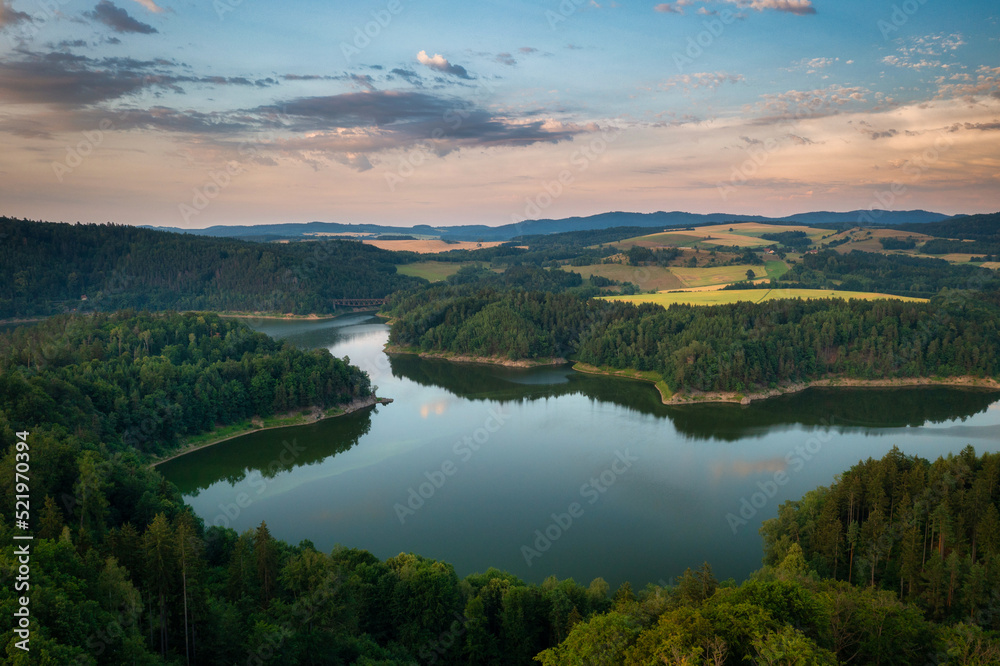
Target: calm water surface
{"x":470,"y":463}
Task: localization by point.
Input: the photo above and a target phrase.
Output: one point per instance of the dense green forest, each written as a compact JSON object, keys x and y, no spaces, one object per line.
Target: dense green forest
{"x":899,"y":274}
{"x":983,"y":227}
{"x":47,"y":268}
{"x":122,"y":572}
{"x":928,"y":532}
{"x":144,"y":379}
{"x":734,"y":347}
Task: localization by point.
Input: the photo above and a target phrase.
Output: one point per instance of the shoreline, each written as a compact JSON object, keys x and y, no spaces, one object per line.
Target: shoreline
{"x":481,"y":360}
{"x":225,"y":315}
{"x":961,"y":381}
{"x":667,"y":397}
{"x":647,"y":376}
{"x":315,"y":416}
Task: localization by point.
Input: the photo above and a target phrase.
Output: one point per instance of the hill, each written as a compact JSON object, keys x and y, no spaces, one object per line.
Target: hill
{"x":48,"y":268}
{"x":476,"y":232}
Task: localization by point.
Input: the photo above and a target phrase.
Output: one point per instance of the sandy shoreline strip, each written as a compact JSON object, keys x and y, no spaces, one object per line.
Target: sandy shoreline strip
{"x":314,"y":417}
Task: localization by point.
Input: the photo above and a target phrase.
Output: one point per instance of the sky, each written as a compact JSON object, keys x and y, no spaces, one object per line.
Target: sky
{"x":191,"y":114}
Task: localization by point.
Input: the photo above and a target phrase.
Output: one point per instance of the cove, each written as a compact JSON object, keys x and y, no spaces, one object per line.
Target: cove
{"x":548,"y":471}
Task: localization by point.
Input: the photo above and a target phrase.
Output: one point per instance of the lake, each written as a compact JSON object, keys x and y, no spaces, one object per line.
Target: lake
{"x":547,"y":471}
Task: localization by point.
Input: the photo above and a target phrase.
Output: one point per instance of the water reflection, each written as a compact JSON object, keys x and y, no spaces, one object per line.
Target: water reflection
{"x":817,"y":407}
{"x":268,"y":452}
{"x":696,"y":463}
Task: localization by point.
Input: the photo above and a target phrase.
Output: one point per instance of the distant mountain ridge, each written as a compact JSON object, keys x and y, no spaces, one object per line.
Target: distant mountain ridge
{"x":473,"y":232}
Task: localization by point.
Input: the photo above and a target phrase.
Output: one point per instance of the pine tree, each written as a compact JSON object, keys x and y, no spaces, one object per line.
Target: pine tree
{"x":266,"y":557}
{"x":158,"y":546}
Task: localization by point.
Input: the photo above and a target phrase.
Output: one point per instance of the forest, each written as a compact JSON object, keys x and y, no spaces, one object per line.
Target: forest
{"x":48,"y":268}
{"x":737,"y":347}
{"x":123,"y":572}
{"x":927,"y":532}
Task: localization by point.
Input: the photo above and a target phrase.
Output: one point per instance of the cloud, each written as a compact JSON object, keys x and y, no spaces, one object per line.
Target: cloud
{"x":368,"y":123}
{"x":10,"y":16}
{"x":812,"y":65}
{"x":117,"y":19}
{"x":982,"y":127}
{"x":696,"y":80}
{"x":798,"y":7}
{"x":151,"y":6}
{"x":66,"y":79}
{"x":667,"y":8}
{"x":799,"y":104}
{"x":527,"y":50}
{"x":896,"y":61}
{"x":408,"y":75}
{"x":986,"y":83}
{"x":441,"y":64}
{"x":506,"y":59}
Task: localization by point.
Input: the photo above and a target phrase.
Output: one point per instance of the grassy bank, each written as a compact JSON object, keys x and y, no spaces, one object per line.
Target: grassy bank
{"x":653,"y":378}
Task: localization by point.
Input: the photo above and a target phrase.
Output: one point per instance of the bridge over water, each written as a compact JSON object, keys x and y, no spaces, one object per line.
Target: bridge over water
{"x":359,"y":302}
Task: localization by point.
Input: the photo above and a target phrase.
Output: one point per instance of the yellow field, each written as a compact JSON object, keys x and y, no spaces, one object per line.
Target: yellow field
{"x":428,"y":246}
{"x":648,"y":278}
{"x":756,"y":295}
{"x":701,"y":277}
{"x":990,"y":264}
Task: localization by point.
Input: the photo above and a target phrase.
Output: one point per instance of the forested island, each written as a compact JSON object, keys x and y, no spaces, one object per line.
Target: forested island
{"x":732,"y":349}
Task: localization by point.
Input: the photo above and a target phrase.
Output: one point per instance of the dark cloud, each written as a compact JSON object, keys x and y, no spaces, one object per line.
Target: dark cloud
{"x":527,"y":50}
{"x":67,"y":79}
{"x":506,"y":59}
{"x":363,"y":80}
{"x":10,"y":16}
{"x":983,"y":127}
{"x":405,"y":119}
{"x":118,"y":19}
{"x":408,"y":75}
{"x":364,"y":109}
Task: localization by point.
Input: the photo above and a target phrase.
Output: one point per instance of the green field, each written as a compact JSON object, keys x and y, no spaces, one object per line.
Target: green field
{"x":733,"y":295}
{"x":775,"y":268}
{"x":648,"y":278}
{"x":432,"y":271}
